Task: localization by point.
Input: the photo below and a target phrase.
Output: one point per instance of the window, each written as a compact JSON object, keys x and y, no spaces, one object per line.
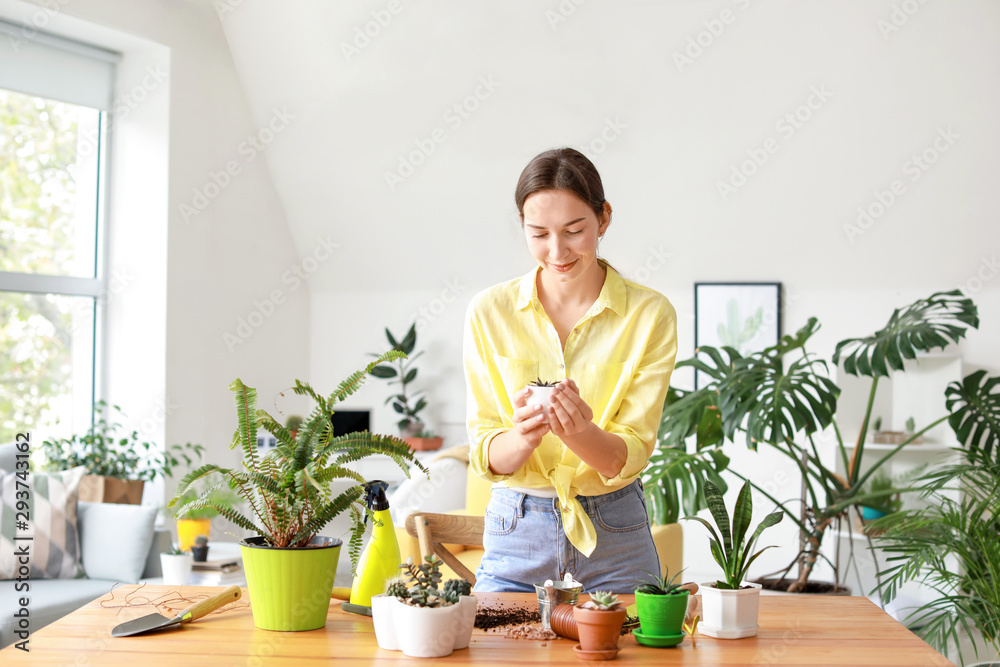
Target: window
{"x":54,"y":98}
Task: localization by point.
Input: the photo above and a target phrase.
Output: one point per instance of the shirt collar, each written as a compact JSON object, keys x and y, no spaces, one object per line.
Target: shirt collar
{"x":612,"y":296}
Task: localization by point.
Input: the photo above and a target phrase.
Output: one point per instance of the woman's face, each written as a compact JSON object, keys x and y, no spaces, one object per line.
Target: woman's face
{"x":562,"y":232}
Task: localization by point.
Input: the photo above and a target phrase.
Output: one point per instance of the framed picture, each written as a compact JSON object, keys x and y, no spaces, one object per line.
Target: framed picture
{"x":744,"y":316}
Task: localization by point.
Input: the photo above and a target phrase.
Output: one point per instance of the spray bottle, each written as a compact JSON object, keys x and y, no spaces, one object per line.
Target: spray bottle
{"x":380,"y":559}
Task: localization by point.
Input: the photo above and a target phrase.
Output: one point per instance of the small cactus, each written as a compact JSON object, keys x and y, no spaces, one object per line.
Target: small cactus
{"x":457,"y":587}
{"x":396,"y":587}
{"x":201,"y":541}
{"x":603,"y":600}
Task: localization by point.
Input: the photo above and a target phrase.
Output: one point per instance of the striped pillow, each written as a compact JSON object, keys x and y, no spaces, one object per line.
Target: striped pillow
{"x":54,"y":550}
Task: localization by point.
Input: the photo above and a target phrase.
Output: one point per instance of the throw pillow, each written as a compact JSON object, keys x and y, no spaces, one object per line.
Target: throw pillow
{"x":115,"y":540}
{"x":54,"y":550}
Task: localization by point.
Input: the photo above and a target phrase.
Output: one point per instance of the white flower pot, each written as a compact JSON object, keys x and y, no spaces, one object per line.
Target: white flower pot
{"x":427,"y":632}
{"x":384,"y":620}
{"x":176,"y":569}
{"x":540,"y":396}
{"x":466,"y":621}
{"x":729,"y":614}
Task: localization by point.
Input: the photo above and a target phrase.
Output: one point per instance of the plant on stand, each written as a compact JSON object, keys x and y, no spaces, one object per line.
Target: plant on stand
{"x":419,"y":616}
{"x":290,"y":495}
{"x":407,"y":403}
{"x":922,"y":544}
{"x":118,"y":462}
{"x":729,"y":606}
{"x":783,"y":397}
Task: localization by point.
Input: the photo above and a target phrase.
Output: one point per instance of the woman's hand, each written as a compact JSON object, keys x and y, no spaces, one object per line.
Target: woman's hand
{"x":529,"y":421}
{"x":569,"y":414}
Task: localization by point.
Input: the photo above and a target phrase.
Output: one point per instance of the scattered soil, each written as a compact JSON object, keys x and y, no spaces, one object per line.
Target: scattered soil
{"x":526,"y":631}
{"x":489,"y":618}
{"x":812,"y":587}
{"x":630,"y":624}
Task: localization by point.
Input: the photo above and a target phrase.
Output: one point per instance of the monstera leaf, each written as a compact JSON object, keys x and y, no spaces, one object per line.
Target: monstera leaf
{"x":772,"y":402}
{"x":974,"y":404}
{"x":922,"y":326}
{"x":675,"y":480}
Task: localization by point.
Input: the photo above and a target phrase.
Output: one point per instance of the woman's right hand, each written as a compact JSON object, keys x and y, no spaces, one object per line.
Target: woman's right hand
{"x":529,"y":421}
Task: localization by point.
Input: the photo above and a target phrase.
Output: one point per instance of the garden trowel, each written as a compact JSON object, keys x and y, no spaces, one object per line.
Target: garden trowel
{"x":194,"y":612}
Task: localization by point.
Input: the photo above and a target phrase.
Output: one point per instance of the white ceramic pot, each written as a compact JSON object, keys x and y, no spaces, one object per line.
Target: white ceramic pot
{"x":176,"y":569}
{"x":384,"y":620}
{"x":540,"y":396}
{"x":729,"y":614}
{"x":466,"y":616}
{"x":427,"y":632}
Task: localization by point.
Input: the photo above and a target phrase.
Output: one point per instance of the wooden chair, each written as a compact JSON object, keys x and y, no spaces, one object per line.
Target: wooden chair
{"x":435,"y":531}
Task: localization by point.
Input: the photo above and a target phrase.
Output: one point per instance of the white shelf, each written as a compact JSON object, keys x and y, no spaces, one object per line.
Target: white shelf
{"x":921,"y":448}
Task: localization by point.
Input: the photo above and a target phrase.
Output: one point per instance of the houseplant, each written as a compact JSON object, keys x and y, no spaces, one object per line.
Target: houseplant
{"x":599,"y":623}
{"x":289,"y":568}
{"x":407,"y":403}
{"x":921,"y":542}
{"x":419,"y":616}
{"x":662,"y":605}
{"x":198,"y":521}
{"x":729,"y":606}
{"x":782,"y":396}
{"x":118,"y":463}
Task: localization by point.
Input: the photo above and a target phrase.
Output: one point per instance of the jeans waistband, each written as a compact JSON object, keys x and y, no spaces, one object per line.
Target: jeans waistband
{"x":523,"y":502}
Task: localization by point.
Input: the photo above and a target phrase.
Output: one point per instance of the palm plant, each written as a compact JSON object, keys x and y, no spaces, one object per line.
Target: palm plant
{"x":921,"y":542}
{"x":782,"y":396}
{"x":288,"y":489}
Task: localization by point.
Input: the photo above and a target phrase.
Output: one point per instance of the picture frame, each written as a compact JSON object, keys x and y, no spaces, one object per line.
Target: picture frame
{"x":745,"y":316}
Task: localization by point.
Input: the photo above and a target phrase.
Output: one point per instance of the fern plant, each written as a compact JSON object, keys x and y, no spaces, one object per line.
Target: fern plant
{"x":288,"y":489}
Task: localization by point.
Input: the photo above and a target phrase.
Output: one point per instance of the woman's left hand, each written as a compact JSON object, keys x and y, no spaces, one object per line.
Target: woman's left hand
{"x":569,"y":414}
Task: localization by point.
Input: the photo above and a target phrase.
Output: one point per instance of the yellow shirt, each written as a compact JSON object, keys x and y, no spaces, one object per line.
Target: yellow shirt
{"x":620,"y":355}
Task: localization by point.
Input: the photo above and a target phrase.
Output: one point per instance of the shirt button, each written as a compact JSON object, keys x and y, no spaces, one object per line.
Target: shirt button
{"x":562,"y":366}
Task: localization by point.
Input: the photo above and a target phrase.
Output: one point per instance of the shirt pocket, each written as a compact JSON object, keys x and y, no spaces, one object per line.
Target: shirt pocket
{"x":514,"y":376}
{"x":604,"y":387}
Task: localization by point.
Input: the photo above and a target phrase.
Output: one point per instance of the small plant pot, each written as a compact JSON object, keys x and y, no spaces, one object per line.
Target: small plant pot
{"x":564,"y":622}
{"x":661,"y":615}
{"x":599,"y":630}
{"x":424,"y":444}
{"x":466,"y":614}
{"x":729,"y":614}
{"x":870,"y":513}
{"x":540,"y":396}
{"x":200,"y":554}
{"x":176,"y":569}
{"x":290,"y":587}
{"x":384,"y":621}
{"x":427,"y":632}
{"x":189,"y":529}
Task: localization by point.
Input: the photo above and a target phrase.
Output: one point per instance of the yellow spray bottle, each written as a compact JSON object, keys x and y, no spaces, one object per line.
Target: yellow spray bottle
{"x":380,"y":559}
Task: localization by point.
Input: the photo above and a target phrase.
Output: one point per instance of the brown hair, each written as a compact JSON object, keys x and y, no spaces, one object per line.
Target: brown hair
{"x":561,"y":169}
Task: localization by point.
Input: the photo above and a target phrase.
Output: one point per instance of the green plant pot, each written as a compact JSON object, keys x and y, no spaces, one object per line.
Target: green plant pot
{"x":290,"y":587}
{"x":661,"y":615}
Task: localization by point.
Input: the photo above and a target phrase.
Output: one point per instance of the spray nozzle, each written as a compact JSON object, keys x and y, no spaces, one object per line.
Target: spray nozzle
{"x":375,"y":495}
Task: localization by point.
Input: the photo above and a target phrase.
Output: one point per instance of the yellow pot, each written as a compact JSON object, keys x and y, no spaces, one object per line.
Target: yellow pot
{"x":189,"y":529}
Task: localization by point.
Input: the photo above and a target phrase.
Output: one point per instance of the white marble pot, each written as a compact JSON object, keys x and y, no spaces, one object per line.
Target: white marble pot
{"x":729,"y":614}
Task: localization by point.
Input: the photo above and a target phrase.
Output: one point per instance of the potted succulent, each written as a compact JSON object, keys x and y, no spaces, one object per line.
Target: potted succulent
{"x":176,"y":567}
{"x":421,"y":618}
{"x":289,"y":568}
{"x":540,"y":394}
{"x":406,"y":403}
{"x":729,"y":606}
{"x":118,"y":463}
{"x":199,"y":550}
{"x":662,"y":605}
{"x":599,"y":624}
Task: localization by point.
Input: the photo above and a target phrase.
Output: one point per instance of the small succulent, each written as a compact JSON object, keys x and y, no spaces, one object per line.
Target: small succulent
{"x":542,"y":383}
{"x":174,"y":551}
{"x":456,"y":588}
{"x":657,"y":585}
{"x":424,"y":580}
{"x":396,"y":587}
{"x":602,"y":601}
{"x":911,"y":425}
{"x":201,"y":541}
{"x":877,"y":424}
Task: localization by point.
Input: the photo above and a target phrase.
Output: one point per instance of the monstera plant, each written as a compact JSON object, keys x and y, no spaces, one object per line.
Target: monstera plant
{"x":783,"y":397}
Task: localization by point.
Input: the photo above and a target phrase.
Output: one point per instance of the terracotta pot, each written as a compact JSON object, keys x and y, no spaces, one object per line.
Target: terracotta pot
{"x":563,"y":621}
{"x":599,"y":630}
{"x":424,"y":444}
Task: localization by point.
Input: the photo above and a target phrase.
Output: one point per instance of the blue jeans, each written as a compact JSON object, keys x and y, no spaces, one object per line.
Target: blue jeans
{"x":525,"y":543}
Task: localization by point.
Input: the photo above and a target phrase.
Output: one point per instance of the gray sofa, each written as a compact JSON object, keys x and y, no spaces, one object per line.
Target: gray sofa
{"x":118,"y":544}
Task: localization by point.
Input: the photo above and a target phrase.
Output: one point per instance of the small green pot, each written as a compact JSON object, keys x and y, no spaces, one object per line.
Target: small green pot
{"x":290,"y":587}
{"x":661,"y":615}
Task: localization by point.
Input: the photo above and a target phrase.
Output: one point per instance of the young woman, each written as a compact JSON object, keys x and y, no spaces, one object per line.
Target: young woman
{"x":566,"y":496}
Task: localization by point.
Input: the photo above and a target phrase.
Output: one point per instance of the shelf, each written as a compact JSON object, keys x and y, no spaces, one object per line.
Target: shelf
{"x":923,"y":447}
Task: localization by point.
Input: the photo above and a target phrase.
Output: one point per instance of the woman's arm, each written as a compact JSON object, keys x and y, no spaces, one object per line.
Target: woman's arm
{"x":509,"y":450}
{"x":571,"y":419}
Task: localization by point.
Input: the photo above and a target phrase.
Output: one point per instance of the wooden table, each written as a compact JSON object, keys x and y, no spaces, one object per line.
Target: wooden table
{"x":794,"y":630}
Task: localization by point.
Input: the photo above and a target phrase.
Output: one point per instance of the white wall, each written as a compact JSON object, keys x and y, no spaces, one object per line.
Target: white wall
{"x":181,"y":118}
